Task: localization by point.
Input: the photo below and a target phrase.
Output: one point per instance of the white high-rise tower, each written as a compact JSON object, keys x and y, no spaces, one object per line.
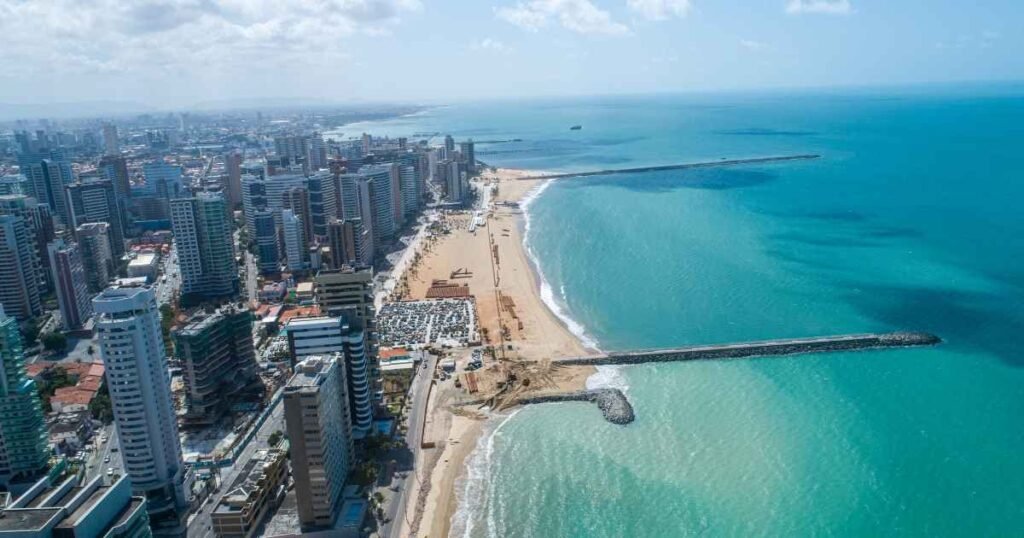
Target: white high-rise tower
{"x":132,"y":347}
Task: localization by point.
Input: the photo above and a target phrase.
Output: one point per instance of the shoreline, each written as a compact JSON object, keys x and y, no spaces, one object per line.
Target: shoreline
{"x":512,"y":311}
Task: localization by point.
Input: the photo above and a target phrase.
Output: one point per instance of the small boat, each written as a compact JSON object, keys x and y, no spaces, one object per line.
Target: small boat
{"x":575,"y":127}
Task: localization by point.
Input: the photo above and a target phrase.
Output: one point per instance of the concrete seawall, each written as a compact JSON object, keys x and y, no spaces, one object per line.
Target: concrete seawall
{"x":684,"y":166}
{"x":794,"y":346}
{"x":612,"y":402}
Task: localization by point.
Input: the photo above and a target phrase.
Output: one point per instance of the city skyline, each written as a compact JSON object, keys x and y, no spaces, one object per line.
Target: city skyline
{"x":223,"y":53}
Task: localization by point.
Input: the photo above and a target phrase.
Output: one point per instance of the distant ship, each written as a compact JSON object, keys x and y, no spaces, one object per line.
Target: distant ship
{"x":575,"y":127}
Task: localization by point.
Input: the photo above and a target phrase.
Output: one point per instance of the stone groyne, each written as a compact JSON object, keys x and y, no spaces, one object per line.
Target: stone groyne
{"x":612,"y":402}
{"x":684,"y":166}
{"x":792,"y":346}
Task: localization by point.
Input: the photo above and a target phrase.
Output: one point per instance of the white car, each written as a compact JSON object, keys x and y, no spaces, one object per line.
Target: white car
{"x":110,"y":471}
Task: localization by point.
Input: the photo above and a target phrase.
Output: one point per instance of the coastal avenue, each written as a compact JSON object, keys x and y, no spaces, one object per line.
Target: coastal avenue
{"x":418,"y":393}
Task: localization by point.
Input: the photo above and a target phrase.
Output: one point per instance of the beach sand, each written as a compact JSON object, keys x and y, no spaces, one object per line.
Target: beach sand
{"x":541,"y":337}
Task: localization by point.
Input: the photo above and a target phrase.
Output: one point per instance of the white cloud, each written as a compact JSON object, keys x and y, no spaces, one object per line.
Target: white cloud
{"x":203,"y":38}
{"x":491,"y":45}
{"x":750,"y":44}
{"x":580,"y":16}
{"x":829,"y":7}
{"x":659,"y":10}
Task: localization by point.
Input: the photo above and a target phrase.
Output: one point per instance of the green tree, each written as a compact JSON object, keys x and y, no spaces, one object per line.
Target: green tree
{"x":275,"y":438}
{"x":54,"y":341}
{"x":100,"y":407}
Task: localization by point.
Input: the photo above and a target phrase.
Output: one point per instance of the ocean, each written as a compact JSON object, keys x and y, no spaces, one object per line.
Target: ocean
{"x":911,"y":220}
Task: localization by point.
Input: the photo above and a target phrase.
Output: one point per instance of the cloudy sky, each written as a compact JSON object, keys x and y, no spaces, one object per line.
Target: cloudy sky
{"x":171,"y":53}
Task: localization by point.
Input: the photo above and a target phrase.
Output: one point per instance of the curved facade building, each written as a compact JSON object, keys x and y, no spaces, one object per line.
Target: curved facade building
{"x":308,"y":337}
{"x":132,"y":347}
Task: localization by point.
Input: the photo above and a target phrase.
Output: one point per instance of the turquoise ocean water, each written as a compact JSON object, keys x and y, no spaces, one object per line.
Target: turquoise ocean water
{"x":912,"y":219}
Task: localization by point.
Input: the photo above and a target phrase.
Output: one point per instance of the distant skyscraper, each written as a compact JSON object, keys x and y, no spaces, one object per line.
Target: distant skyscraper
{"x":233,"y":164}
{"x":350,"y":244}
{"x":47,"y":180}
{"x":163,"y":179}
{"x":128,"y":329}
{"x":202,"y":231}
{"x":293,"y":148}
{"x":218,"y":361}
{"x":317,"y":152}
{"x":317,"y":421}
{"x":468,"y":151}
{"x":295,"y":246}
{"x":97,"y":201}
{"x":268,"y":247}
{"x":19,"y":276}
{"x":297,"y":200}
{"x":69,"y":280}
{"x":397,"y":205}
{"x":110,"y":143}
{"x":376,"y":202}
{"x":323,"y":203}
{"x":24,"y":453}
{"x":115,"y":169}
{"x":94,"y":244}
{"x":409,"y":179}
{"x":449,"y":144}
{"x":367,"y":143}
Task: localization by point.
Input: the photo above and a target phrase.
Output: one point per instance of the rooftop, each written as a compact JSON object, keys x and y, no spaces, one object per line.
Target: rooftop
{"x":144,"y":258}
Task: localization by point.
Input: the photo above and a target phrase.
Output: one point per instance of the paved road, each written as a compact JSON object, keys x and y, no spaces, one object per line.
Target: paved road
{"x":396,"y":508}
{"x":251,"y":274}
{"x":166,"y":291}
{"x":200,"y":524}
{"x":96,"y":464}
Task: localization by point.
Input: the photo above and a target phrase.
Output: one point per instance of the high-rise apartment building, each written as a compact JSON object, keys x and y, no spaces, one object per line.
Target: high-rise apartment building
{"x":97,"y":201}
{"x":24,"y":453}
{"x":468,"y":151}
{"x":206,"y":256}
{"x":233,"y":189}
{"x":323,"y":203}
{"x":350,"y":244}
{"x":19,"y":276}
{"x":115,"y":169}
{"x":131,"y":344}
{"x":325,"y":335}
{"x":94,"y":246}
{"x":111,"y":145}
{"x":296,"y":251}
{"x":162,"y":180}
{"x":40,"y":229}
{"x":268,"y":246}
{"x":218,"y":362}
{"x":317,"y":422}
{"x":348,"y":293}
{"x":376,"y":203}
{"x":47,"y":180}
{"x":409,"y":179}
{"x":69,"y":279}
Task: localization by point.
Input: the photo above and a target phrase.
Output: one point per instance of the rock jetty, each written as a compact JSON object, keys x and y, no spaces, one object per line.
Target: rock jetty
{"x":792,"y":346}
{"x":612,"y":402}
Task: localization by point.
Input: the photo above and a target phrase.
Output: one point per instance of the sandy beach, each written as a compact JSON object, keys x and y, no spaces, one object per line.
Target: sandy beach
{"x":492,"y":260}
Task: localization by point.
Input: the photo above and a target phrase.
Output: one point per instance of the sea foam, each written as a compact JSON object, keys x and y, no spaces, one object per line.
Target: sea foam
{"x":547,"y":293}
{"x":475,"y":488}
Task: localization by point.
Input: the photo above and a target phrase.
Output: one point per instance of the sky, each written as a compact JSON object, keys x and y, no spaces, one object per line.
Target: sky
{"x":177,"y":53}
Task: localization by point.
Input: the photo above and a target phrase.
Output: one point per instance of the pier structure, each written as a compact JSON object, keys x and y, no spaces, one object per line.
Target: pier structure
{"x":684,"y":166}
{"x":616,"y":408}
